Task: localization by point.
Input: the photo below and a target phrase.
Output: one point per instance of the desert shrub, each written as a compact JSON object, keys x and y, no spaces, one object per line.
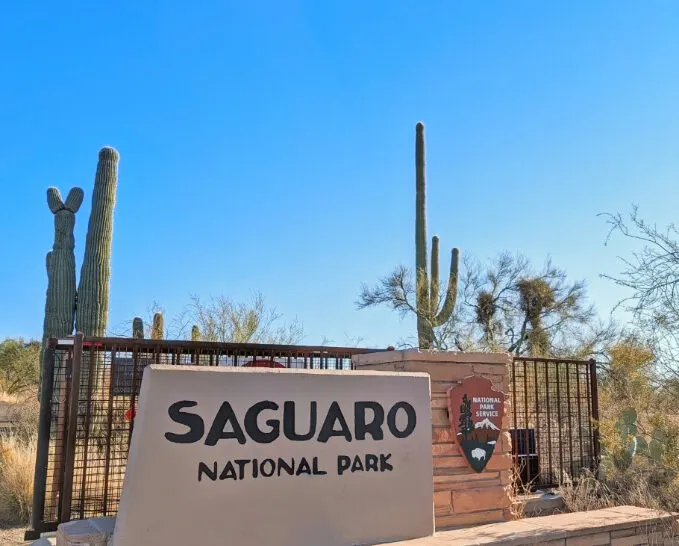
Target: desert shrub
{"x":19,"y":366}
{"x":639,"y":427}
{"x":24,"y":416}
{"x":17,"y":463}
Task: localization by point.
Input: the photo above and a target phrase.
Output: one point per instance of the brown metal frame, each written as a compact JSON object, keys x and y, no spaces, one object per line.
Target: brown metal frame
{"x":555,"y":408}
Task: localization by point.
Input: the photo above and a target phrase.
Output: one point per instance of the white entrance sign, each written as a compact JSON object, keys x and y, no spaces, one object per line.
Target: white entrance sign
{"x":270,"y":457}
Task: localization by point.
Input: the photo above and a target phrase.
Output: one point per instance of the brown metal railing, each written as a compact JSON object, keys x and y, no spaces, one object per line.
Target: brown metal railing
{"x":554,"y":417}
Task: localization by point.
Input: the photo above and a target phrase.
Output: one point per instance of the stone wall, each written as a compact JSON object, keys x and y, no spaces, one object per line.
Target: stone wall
{"x":618,"y":526}
{"x":462,"y":497}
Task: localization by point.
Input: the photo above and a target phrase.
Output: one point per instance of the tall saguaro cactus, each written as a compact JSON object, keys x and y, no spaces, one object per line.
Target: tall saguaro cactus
{"x":95,"y":274}
{"x":429,"y":315}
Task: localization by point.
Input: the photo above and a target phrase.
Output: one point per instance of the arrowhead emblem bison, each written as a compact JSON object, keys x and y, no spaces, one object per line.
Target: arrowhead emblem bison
{"x":475,"y":411}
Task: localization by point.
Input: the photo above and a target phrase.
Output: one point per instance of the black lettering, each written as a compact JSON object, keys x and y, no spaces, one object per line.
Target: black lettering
{"x":266,"y":473}
{"x":191,"y":420}
{"x":371,"y":462}
{"x":205,"y":469}
{"x":316,"y":471}
{"x":229,"y":472}
{"x":289,"y":422}
{"x":303,"y":467}
{"x":384,"y":465}
{"x":252,"y":428}
{"x":241,"y":467}
{"x":283,"y":465}
{"x":410,"y":425}
{"x":255,"y":468}
{"x":374,"y":427}
{"x":328,"y":428}
{"x":343,"y":463}
{"x":224,"y":415}
{"x":358,"y":464}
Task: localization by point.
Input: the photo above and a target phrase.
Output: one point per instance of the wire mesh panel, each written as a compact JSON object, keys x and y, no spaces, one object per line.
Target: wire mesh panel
{"x":93,"y":398}
{"x":553,"y":420}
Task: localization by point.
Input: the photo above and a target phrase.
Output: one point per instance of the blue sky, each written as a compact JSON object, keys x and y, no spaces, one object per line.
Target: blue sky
{"x":269,"y":145}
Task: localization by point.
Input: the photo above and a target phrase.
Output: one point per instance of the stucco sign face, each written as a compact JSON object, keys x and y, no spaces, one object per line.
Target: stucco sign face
{"x":278,"y":457}
{"x":475,"y":412}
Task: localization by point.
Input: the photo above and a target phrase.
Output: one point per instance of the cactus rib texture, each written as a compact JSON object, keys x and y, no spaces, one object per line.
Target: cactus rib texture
{"x":427,"y":290}
{"x":95,"y":274}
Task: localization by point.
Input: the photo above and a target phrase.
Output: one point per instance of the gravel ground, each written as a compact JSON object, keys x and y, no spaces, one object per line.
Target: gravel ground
{"x":12,"y":536}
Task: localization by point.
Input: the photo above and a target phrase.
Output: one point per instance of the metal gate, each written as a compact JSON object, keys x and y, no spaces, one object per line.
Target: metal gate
{"x":88,"y":401}
{"x":555,"y":410}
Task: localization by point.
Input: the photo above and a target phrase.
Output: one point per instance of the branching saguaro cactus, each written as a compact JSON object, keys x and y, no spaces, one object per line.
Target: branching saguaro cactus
{"x":95,"y":274}
{"x":88,"y":306}
{"x":60,"y":298}
{"x":429,"y":316}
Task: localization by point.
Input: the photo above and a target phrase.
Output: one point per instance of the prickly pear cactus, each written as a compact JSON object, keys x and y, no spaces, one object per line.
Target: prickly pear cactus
{"x":633,"y":444}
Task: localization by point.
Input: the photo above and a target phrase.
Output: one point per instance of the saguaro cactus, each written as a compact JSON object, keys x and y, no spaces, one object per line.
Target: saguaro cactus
{"x":60,"y":301}
{"x":60,"y":298}
{"x":138,"y":328}
{"x":157,"y":327}
{"x":428,"y":314}
{"x":95,"y":274}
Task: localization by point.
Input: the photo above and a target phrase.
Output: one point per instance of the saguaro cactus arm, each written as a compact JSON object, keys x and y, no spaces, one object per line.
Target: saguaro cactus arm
{"x":451,"y":294}
{"x":435,"y":281}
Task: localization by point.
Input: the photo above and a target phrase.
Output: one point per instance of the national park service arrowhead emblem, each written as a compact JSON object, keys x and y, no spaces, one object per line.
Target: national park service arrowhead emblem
{"x":475,"y":412}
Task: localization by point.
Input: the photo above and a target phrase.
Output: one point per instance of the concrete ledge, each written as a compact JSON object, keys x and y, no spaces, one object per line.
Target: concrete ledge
{"x":541,"y":504}
{"x":88,"y":532}
{"x":414,"y":355}
{"x":620,"y":526}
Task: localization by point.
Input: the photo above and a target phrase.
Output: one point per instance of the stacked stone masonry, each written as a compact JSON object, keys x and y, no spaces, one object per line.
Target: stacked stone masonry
{"x":461,"y":496}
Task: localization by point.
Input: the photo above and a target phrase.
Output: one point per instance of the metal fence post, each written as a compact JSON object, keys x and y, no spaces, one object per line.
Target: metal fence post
{"x":44,"y":422}
{"x":595,"y":415}
{"x":73,"y":406}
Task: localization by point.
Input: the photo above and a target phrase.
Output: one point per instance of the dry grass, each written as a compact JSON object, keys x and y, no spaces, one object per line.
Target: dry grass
{"x":17,"y":457}
{"x":17,"y":464}
{"x":640,"y":486}
{"x":6,"y":398}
